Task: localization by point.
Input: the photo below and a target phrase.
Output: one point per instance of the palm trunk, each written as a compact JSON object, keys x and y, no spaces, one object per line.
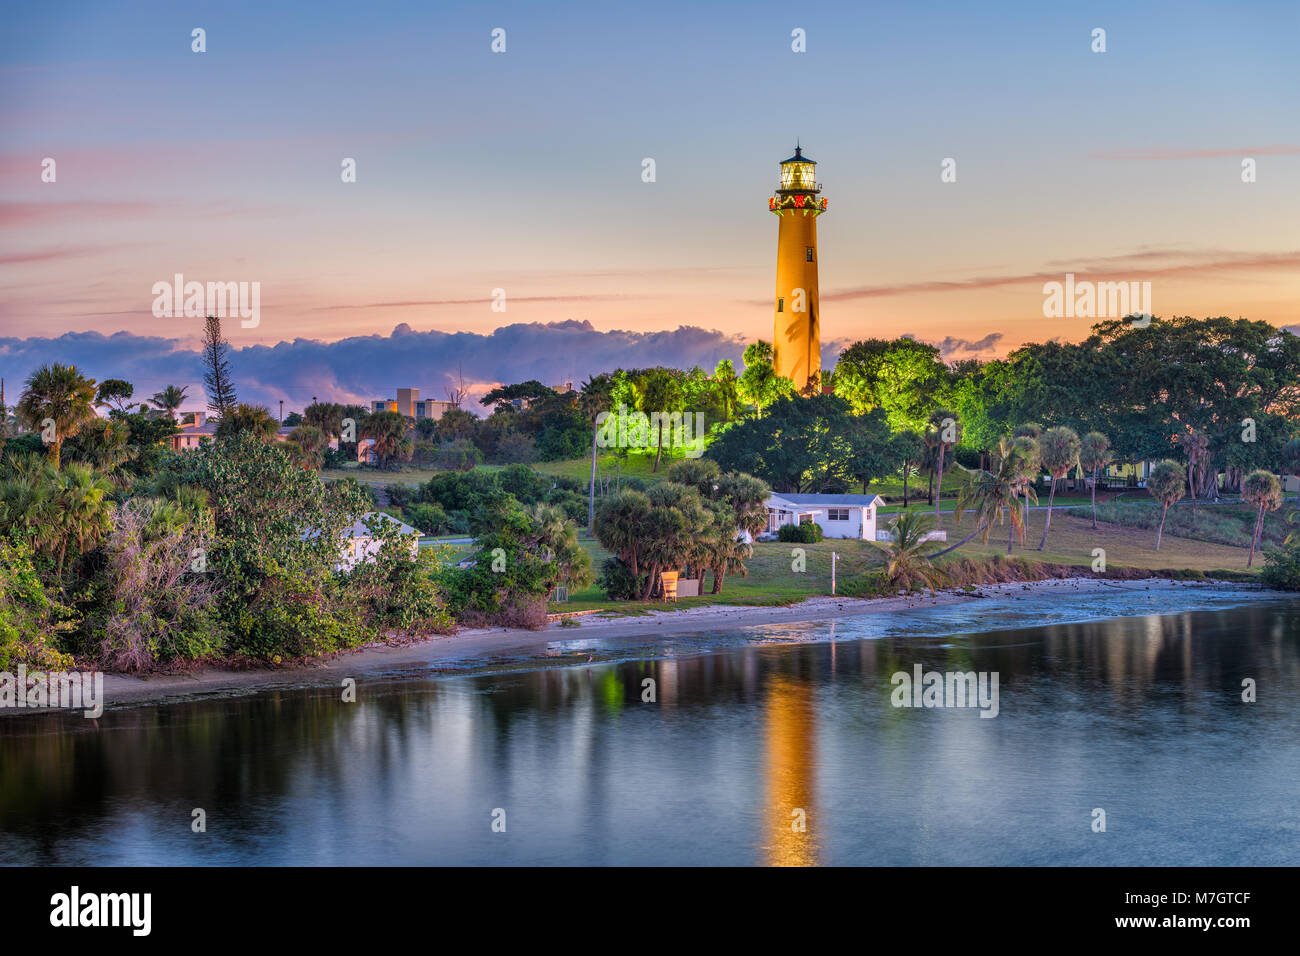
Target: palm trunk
{"x":718,"y":574}
{"x":1191,"y":487}
{"x":938,"y":491}
{"x":1161,"y":530}
{"x":659,"y":449}
{"x":1094,"y":499}
{"x":954,"y":547}
{"x":905,"y":470}
{"x":1011,"y":535}
{"x":930,"y":490}
{"x":650,"y":584}
{"x":1051,"y":496}
{"x":591,"y":489}
{"x":1254,"y":535}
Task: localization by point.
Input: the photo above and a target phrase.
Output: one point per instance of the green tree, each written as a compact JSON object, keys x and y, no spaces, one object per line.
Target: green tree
{"x":902,"y":376}
{"x":216,"y":377}
{"x":1263,"y":490}
{"x":311,"y":443}
{"x":256,"y":420}
{"x":114,"y":393}
{"x":945,"y":428}
{"x":1059,"y":449}
{"x":727,"y":387}
{"x":170,"y":399}
{"x":908,"y":448}
{"x":1094,"y":455}
{"x":1167,"y":485}
{"x":597,"y":394}
{"x":1196,"y":446}
{"x":759,"y":385}
{"x":990,"y":494}
{"x":60,"y":395}
{"x":391,"y":436}
{"x":905,"y":564}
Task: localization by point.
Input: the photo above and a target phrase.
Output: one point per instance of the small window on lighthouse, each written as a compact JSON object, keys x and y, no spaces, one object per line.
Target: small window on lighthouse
{"x":810,"y":259}
{"x":780,"y":305}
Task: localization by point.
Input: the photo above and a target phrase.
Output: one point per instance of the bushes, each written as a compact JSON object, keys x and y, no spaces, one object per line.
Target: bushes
{"x":159,"y":599}
{"x":809,"y":532}
{"x":618,"y":582}
{"x":1282,"y":568}
{"x":30,"y":621}
{"x":426,"y":517}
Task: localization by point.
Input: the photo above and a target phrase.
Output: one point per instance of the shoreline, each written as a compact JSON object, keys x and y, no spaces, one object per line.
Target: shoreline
{"x":520,"y":649}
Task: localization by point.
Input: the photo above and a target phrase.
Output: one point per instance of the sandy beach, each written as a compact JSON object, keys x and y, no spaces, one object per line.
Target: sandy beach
{"x":559,"y":645}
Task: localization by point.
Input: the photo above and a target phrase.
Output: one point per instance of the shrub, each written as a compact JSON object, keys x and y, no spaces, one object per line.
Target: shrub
{"x":618,"y":582}
{"x":1282,"y":568}
{"x":399,"y":495}
{"x":427,"y":517}
{"x":30,"y":622}
{"x":158,"y":606}
{"x":809,"y":532}
{"x":457,"y":455}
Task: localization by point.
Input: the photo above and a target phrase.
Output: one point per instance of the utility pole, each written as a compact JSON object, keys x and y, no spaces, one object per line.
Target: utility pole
{"x":834,"y":557}
{"x":282,"y":411}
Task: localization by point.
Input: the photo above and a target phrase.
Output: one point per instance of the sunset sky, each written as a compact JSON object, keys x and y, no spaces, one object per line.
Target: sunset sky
{"x":522,"y":171}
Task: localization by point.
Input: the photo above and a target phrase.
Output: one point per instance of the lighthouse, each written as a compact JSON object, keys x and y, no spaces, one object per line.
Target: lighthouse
{"x":796,"y":339}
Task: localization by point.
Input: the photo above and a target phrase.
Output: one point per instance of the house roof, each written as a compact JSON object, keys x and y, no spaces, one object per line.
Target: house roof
{"x":359,"y":529}
{"x":861,"y":501}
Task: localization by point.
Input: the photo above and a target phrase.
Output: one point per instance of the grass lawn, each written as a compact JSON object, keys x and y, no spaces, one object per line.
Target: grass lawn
{"x":1071,"y":541}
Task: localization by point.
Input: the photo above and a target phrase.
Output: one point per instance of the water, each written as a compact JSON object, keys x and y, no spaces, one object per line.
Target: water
{"x":1139,"y":716}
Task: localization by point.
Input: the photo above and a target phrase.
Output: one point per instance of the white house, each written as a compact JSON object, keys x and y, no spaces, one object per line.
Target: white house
{"x":840,"y":516}
{"x":358,"y":543}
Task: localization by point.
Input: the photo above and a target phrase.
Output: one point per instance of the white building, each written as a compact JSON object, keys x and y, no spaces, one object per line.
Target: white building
{"x":840,"y":516}
{"x":358,"y":543}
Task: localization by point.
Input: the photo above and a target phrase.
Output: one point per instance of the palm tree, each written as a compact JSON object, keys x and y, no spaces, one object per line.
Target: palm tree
{"x":677,"y":517}
{"x":727,"y":387}
{"x":555,"y":538}
{"x":947,"y":432}
{"x":391,"y":436}
{"x":311,"y":442}
{"x":1263,"y":490}
{"x":27,"y":501}
{"x":620,"y":527}
{"x":990,"y":493}
{"x":1167,"y":485}
{"x":596,"y":396}
{"x":1027,"y":435}
{"x":61,"y":395}
{"x":905,"y":565}
{"x":1059,"y":448}
{"x":170,"y":399}
{"x":84,"y":512}
{"x":1196,"y":446}
{"x":1094,"y":455}
{"x":248,"y":418}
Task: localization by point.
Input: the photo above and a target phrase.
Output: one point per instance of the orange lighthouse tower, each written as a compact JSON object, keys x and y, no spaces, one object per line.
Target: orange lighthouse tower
{"x":796,"y":340}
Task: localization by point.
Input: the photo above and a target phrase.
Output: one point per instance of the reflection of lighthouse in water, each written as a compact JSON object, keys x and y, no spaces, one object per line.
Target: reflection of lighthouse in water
{"x":790,"y":773}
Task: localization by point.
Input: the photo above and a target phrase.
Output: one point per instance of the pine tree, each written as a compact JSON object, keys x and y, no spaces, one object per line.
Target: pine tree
{"x":216,"y":380}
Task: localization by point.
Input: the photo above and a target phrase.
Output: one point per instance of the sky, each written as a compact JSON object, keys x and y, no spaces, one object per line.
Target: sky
{"x":522,"y":171}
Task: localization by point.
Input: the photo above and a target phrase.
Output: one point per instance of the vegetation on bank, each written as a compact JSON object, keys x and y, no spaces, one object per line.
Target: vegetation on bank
{"x":117,"y":551}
